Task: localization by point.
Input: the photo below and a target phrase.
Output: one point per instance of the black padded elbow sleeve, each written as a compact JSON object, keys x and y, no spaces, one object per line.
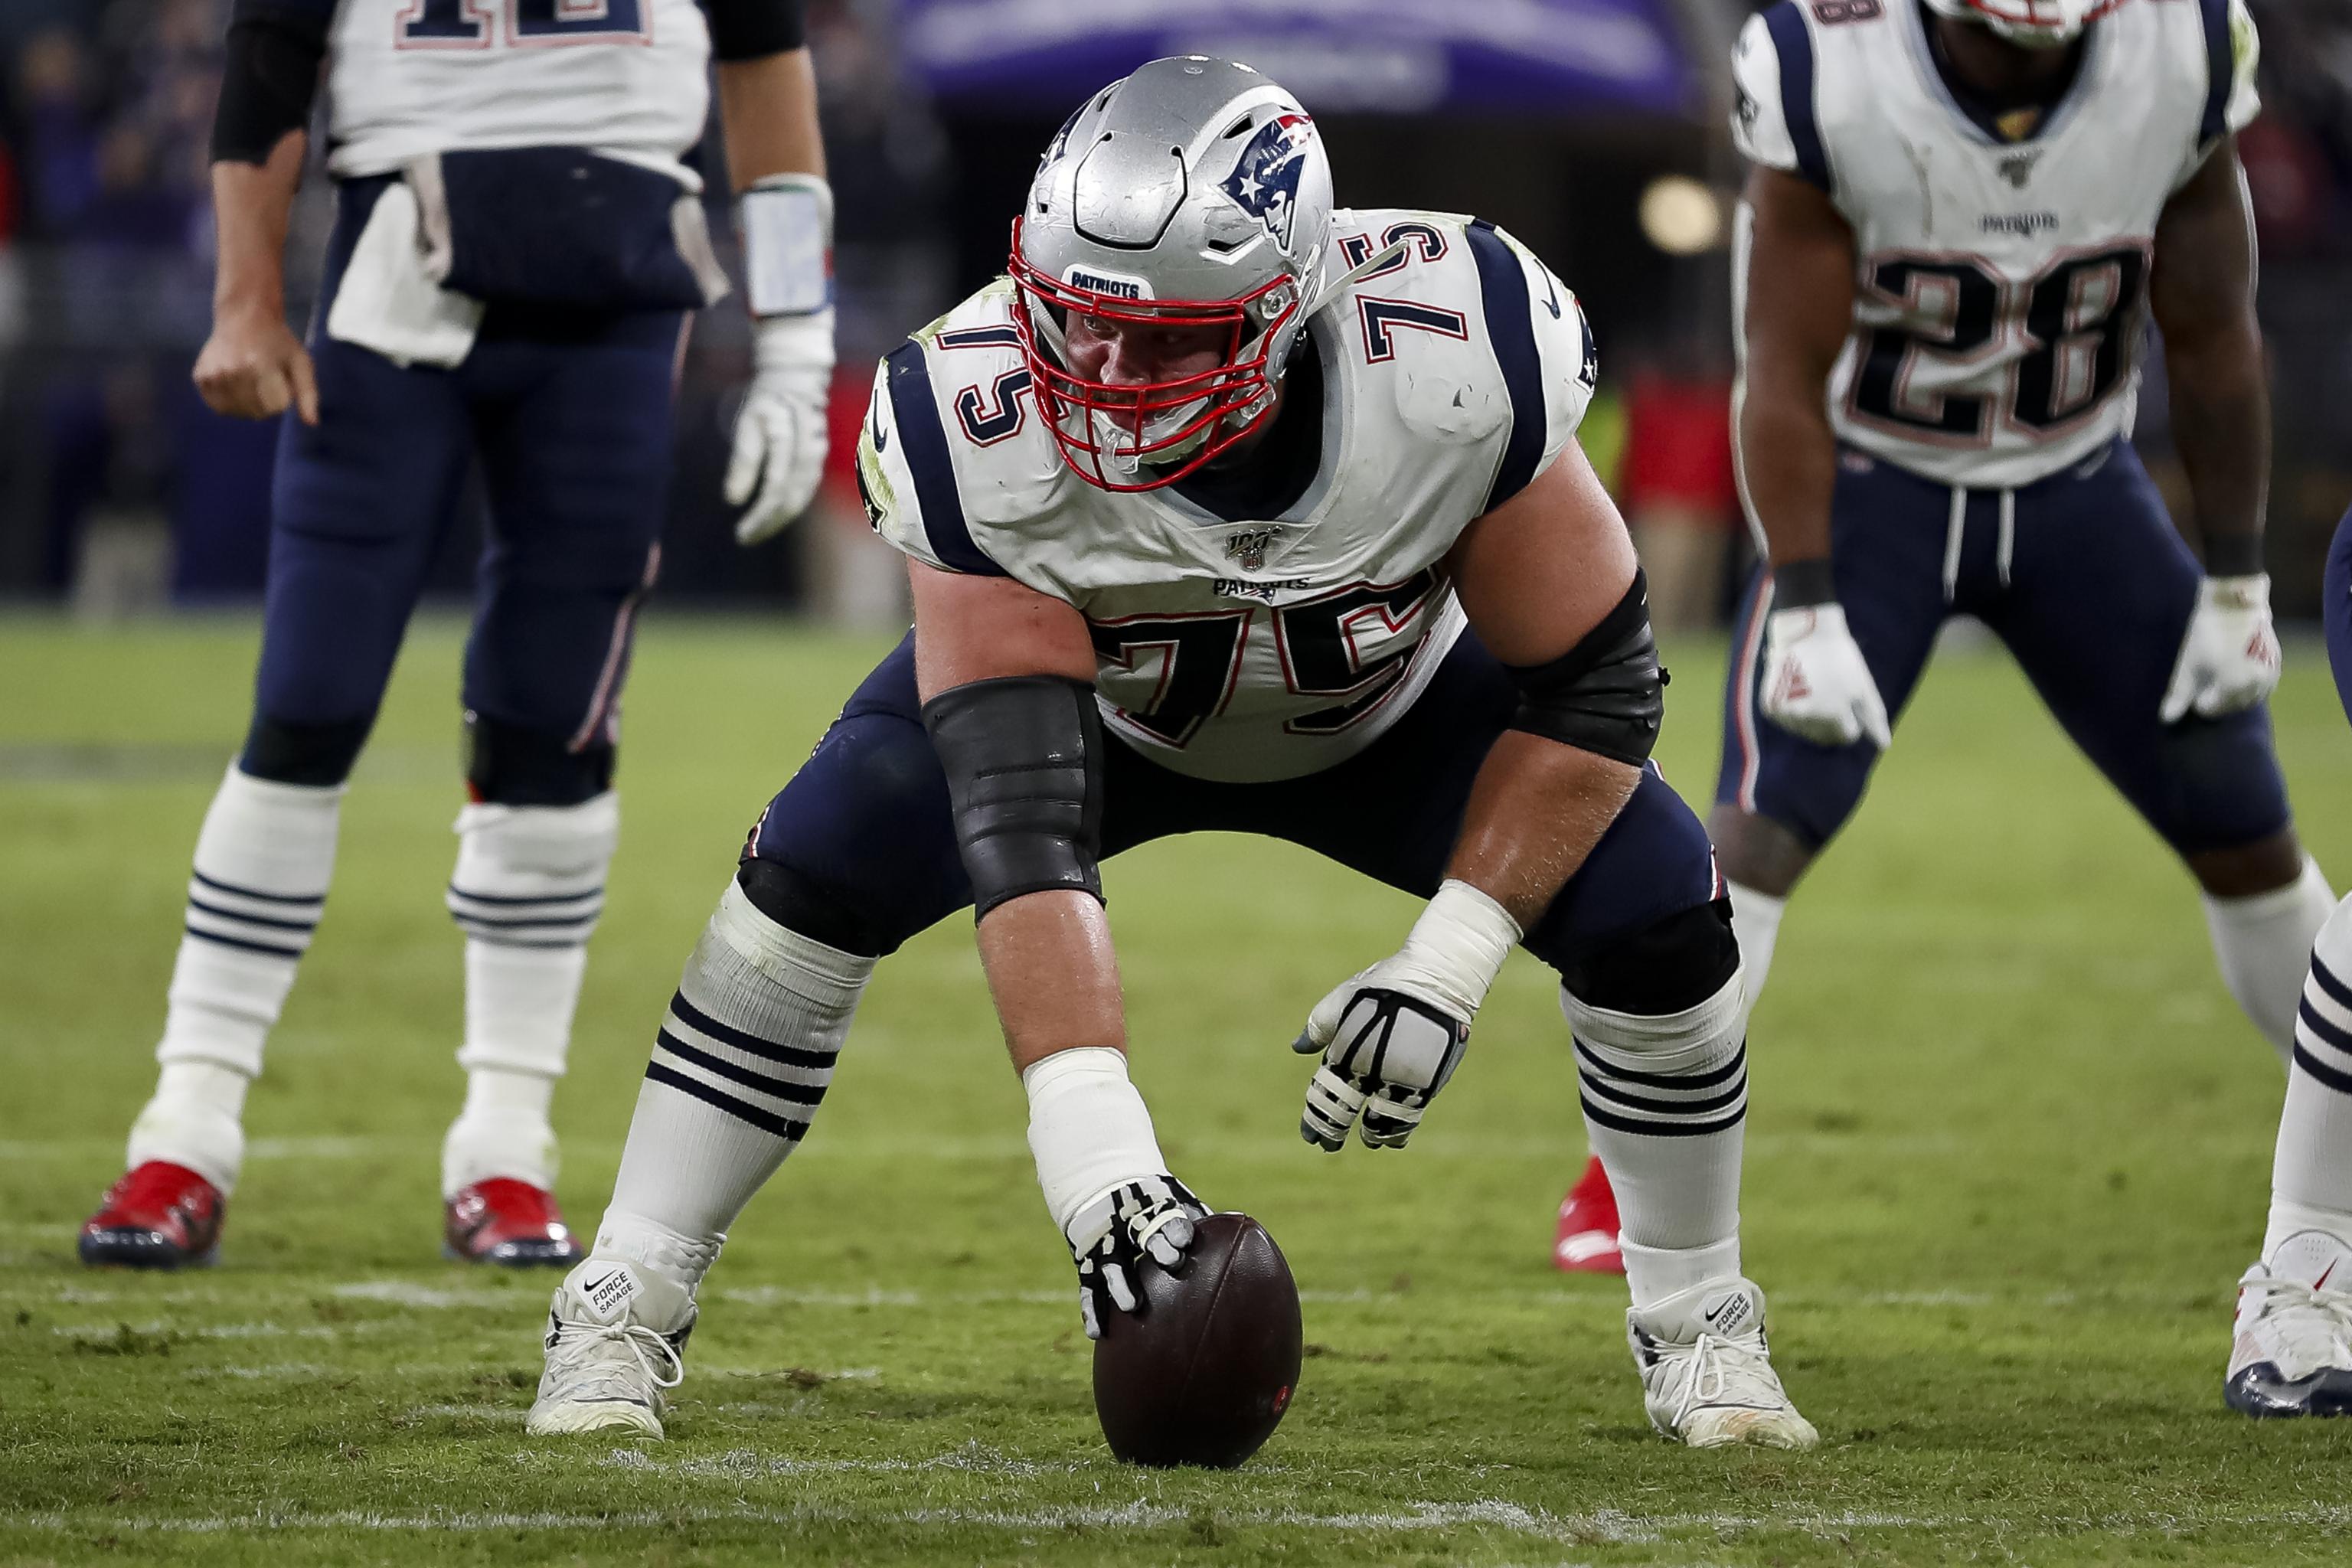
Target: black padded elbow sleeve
{"x":1607,"y":694}
{"x":1024,"y":760}
{"x":268,"y":80}
{"x":749,"y":29}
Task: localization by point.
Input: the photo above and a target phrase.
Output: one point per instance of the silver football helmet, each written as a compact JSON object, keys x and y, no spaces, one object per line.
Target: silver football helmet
{"x":1194,"y":193}
{"x":2036,"y":24}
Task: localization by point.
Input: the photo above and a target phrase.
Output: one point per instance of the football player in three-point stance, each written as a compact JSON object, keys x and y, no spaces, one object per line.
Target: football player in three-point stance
{"x":1961,"y":216}
{"x":519,"y":242}
{"x":1226,"y":511}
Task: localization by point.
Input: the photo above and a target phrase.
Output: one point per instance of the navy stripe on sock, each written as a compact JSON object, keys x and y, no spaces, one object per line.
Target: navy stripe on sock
{"x":1662,"y":1129}
{"x":695,"y":1018}
{"x":1666,"y":1107}
{"x":496,"y":941}
{"x":215,"y":910}
{"x":256,"y":893}
{"x":783,"y":1088}
{"x":1708,"y":1079}
{"x":2334,"y":989}
{"x":2334,"y":1034}
{"x":2332,"y":1078}
{"x":457,"y":892}
{"x":790,"y":1131}
{"x":271,"y":948}
{"x":525,"y":924}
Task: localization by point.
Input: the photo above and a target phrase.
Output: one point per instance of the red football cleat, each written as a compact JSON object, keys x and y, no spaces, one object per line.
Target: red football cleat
{"x":509,"y":1222}
{"x":1587,"y":1242}
{"x":159,"y":1215}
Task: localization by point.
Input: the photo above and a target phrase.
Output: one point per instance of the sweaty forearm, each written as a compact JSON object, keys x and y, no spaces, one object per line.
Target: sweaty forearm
{"x":2221,"y":428}
{"x":1536,"y":810}
{"x":1054,"y":975}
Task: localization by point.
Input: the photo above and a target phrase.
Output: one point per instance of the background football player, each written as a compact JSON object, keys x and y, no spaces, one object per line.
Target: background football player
{"x":2291,"y":1350}
{"x":1961,"y":215}
{"x":517,"y":243}
{"x":1226,"y":511}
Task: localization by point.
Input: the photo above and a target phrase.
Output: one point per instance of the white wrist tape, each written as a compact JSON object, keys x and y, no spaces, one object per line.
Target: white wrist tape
{"x":1459,"y":944}
{"x":787,"y":222}
{"x":1088,"y":1130}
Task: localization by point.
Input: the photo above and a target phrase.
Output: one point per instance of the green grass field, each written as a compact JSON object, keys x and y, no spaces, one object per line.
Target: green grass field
{"x":2009,"y":1149}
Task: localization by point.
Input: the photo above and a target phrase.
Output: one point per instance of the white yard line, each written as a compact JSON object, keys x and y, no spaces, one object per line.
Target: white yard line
{"x":1612,"y":1526}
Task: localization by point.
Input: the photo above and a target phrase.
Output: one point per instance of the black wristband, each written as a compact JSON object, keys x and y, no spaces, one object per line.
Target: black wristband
{"x":2233,"y":556}
{"x":1801,"y":584}
{"x":751,"y":30}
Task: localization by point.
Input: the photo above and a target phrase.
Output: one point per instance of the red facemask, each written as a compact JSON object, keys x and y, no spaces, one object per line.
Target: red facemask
{"x":1109,"y":434}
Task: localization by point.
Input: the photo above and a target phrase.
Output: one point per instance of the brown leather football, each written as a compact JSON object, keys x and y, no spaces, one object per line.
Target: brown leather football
{"x":1203,"y":1374}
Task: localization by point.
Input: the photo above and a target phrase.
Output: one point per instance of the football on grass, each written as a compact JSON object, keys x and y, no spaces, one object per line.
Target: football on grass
{"x":1203,"y":1374}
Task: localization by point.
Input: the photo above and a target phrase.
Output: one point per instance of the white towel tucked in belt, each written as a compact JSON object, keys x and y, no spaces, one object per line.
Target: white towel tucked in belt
{"x":388,"y":302}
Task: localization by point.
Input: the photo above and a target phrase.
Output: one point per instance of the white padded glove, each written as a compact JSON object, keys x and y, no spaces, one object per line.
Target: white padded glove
{"x":1391,"y":1036}
{"x":779,"y":437}
{"x":2229,"y":655}
{"x":1817,"y":686}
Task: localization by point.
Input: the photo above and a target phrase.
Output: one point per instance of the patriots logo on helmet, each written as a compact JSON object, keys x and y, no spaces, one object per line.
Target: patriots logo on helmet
{"x":1264,"y":181}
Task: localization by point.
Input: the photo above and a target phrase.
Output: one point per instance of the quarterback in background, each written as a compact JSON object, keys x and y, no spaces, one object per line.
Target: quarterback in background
{"x":1961,"y":216}
{"x":1225,"y":510}
{"x":520,"y":239}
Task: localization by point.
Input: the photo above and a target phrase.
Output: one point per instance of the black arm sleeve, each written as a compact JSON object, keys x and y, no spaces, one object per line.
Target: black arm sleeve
{"x":1024,"y":760}
{"x":748,"y":30}
{"x":270,"y":76}
{"x":1605,"y":695}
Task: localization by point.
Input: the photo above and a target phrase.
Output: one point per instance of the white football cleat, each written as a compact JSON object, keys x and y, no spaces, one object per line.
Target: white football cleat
{"x":1706,"y":1377}
{"x":615,"y":1331}
{"x":2292,"y":1352}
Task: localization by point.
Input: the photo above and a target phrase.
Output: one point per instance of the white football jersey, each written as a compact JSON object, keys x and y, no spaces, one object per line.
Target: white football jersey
{"x":624,"y":78}
{"x":1268,"y":648}
{"x":2001,"y":300}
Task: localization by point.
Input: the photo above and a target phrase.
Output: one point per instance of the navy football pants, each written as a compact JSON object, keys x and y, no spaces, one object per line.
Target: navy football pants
{"x":2090,"y":589}
{"x":570,"y":415}
{"x":866,"y":817}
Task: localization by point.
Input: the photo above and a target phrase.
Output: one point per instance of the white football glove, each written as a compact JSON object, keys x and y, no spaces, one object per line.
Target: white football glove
{"x":1113,"y":1234}
{"x":780,"y":437}
{"x":1817,"y":684}
{"x":2229,"y":655}
{"x":1392,"y":1035}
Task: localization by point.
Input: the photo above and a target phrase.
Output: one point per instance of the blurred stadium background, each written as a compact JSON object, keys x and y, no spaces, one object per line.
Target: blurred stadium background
{"x":1593,"y":129}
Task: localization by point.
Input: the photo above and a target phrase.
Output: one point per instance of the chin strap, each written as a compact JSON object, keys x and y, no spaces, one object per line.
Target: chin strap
{"x":1372,"y":263}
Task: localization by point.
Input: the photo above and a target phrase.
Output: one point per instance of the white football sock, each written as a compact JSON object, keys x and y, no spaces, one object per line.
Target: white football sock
{"x":737,"y":1072}
{"x":2264,"y":944}
{"x":2311,"y":1172}
{"x":262,"y":865}
{"x":1756,"y":921}
{"x":528,"y":890}
{"x":1665,"y":1107}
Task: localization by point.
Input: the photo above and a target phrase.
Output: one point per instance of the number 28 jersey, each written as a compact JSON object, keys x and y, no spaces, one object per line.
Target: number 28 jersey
{"x":2001,"y":298}
{"x":1270,"y":648}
